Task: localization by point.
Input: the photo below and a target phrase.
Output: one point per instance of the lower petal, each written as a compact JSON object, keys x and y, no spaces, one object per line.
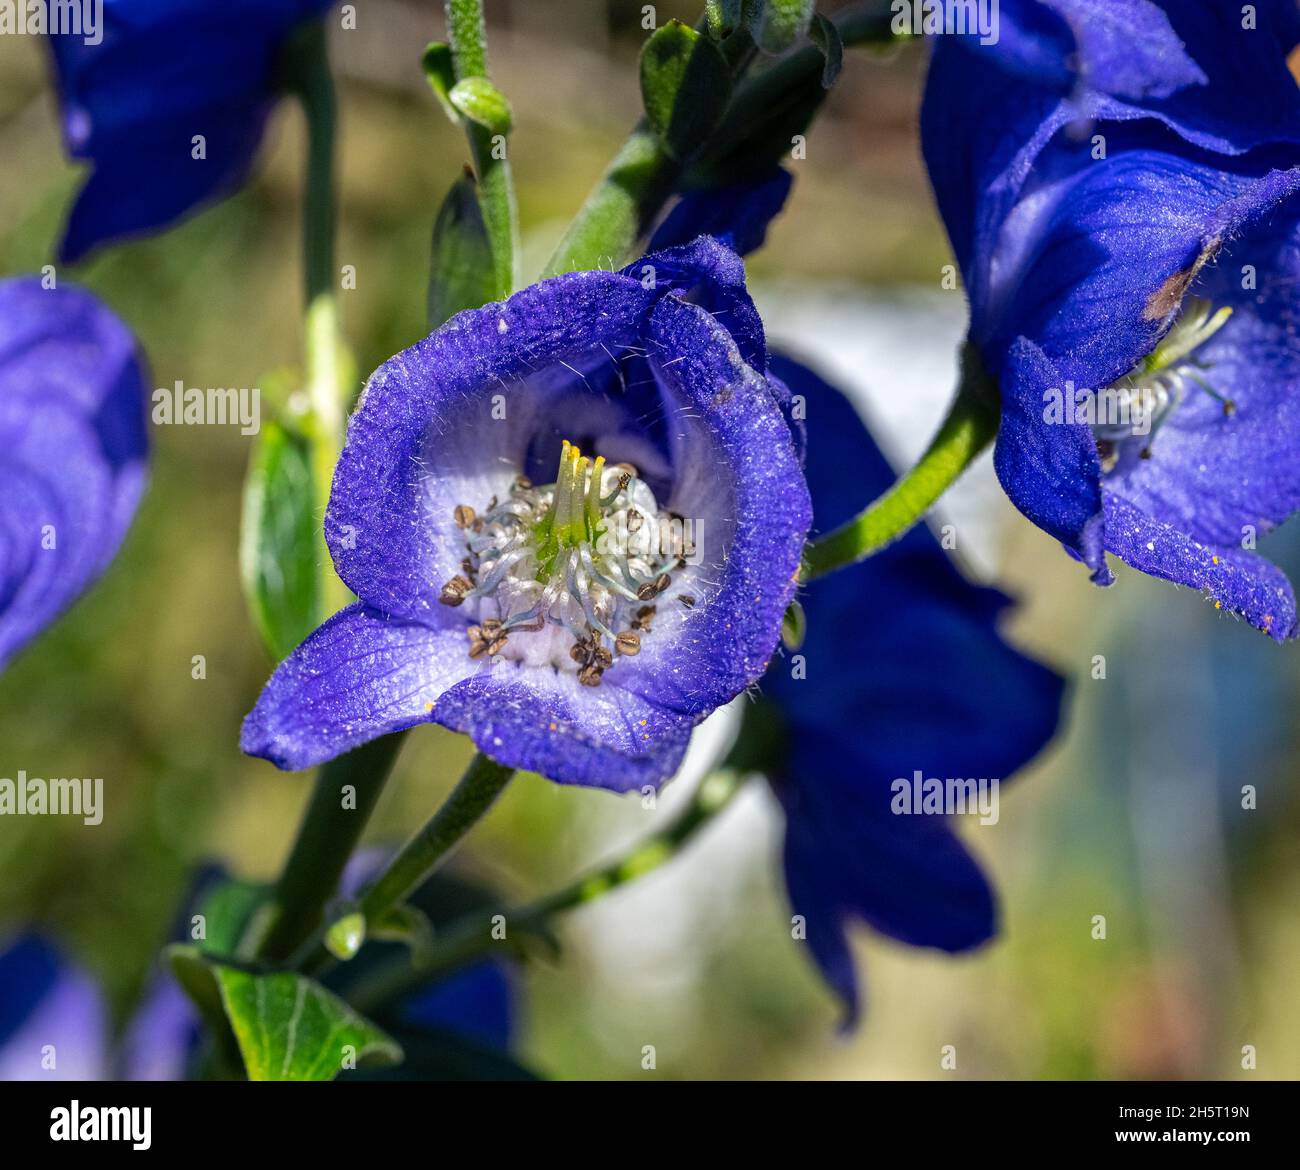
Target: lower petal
{"x":1236,"y":580}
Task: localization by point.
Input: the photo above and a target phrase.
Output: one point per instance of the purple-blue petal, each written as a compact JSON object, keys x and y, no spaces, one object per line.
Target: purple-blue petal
{"x":53,"y":1019}
{"x":73,"y":468}
{"x":737,"y":216}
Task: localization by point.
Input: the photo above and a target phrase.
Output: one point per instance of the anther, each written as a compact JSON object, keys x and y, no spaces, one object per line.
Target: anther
{"x":464,"y":515}
{"x":453,"y":593}
{"x":628,"y":643}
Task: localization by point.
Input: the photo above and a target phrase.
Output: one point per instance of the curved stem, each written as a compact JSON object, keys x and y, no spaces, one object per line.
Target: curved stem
{"x":971,"y":425}
{"x":472,"y":936}
{"x":423,"y":854}
{"x":330,"y":829}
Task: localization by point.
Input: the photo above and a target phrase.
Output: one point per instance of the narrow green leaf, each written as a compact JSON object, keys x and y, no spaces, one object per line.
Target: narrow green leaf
{"x":827,"y":38}
{"x":440,"y":75}
{"x":462,"y":274}
{"x":794,"y":626}
{"x":685,"y":84}
{"x":289,"y":1028}
{"x":483,"y":104}
{"x":278,"y":546}
{"x":782,"y":22}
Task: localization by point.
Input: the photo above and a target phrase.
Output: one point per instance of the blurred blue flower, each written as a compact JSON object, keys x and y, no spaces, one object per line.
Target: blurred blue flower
{"x":164,"y":74}
{"x":73,"y":450}
{"x":901,"y":672}
{"x":574,"y":521}
{"x":1118,"y":182}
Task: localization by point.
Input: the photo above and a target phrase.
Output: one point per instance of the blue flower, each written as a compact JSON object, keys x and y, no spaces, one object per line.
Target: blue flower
{"x":573,"y":520}
{"x":165,"y":73}
{"x":1123,"y":209}
{"x":73,"y":450}
{"x":902,"y":671}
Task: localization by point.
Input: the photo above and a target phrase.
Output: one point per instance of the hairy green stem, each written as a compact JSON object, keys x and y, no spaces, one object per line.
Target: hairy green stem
{"x":472,"y":936}
{"x":970,"y":426}
{"x":345,"y":795}
{"x":424,"y":854}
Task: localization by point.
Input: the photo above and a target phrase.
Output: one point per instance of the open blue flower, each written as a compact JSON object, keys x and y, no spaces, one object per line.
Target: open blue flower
{"x":164,"y":74}
{"x":574,"y":521}
{"x":73,"y":450}
{"x":902,"y":671}
{"x":1125,"y":217}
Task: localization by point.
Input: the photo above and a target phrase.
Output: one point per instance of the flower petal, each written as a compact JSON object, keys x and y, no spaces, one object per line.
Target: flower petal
{"x":73,"y":434}
{"x":360,"y":676}
{"x":737,"y":216}
{"x":451,"y":420}
{"x":48,"y":1002}
{"x":739,"y":482}
{"x":1238,"y":581}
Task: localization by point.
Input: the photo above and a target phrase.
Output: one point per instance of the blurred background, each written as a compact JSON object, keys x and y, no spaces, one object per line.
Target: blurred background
{"x":1135,"y":813}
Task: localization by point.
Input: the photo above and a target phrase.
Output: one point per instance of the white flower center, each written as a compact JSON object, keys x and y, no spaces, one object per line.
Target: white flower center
{"x":567,"y":574}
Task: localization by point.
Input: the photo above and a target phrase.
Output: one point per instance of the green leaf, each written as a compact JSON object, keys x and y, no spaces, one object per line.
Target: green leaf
{"x":794,"y":626}
{"x":227,"y":909}
{"x":278,"y":546}
{"x":461,"y":272}
{"x":685,"y":84}
{"x":782,"y":22}
{"x":440,"y":75}
{"x":827,"y":38}
{"x":482,"y":103}
{"x":289,"y":1028}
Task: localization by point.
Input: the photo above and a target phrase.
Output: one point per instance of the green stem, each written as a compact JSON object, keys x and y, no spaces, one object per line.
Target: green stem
{"x":424,"y":854}
{"x":330,"y":829}
{"x":620,"y":208}
{"x":467,"y":37}
{"x":308,"y":75}
{"x":971,"y":425}
{"x":471,"y":937}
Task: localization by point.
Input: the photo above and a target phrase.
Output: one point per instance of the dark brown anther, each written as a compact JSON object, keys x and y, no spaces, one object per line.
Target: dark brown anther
{"x":623,"y":481}
{"x":491,"y":625}
{"x":662,"y":582}
{"x":589,"y":676}
{"x":1145,"y":453}
{"x":464,"y":515}
{"x":522,"y":483}
{"x":453,"y":593}
{"x":644,"y":616}
{"x":602,"y":658}
{"x":1229,"y":408}
{"x":687,"y":600}
{"x":580,"y":652}
{"x":646,"y":591}
{"x":477,"y":643}
{"x":497,"y":644}
{"x":628,"y":643}
{"x":467,"y":566}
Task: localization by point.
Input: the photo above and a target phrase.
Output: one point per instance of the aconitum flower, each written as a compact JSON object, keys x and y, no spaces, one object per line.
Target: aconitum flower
{"x":73,"y":450}
{"x":573,"y":520}
{"x":901,"y":672}
{"x":168,"y":107}
{"x":1126,"y":222}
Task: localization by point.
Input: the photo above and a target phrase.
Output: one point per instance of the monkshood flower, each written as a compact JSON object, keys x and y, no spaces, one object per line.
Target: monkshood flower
{"x":573,"y":521}
{"x":902,"y":674}
{"x":73,"y":450}
{"x":168,"y":107}
{"x":1125,"y":219}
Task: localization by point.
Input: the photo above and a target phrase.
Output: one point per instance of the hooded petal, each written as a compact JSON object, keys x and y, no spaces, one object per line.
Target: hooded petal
{"x":49,"y":1009}
{"x":72,"y":430}
{"x":737,"y":216}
